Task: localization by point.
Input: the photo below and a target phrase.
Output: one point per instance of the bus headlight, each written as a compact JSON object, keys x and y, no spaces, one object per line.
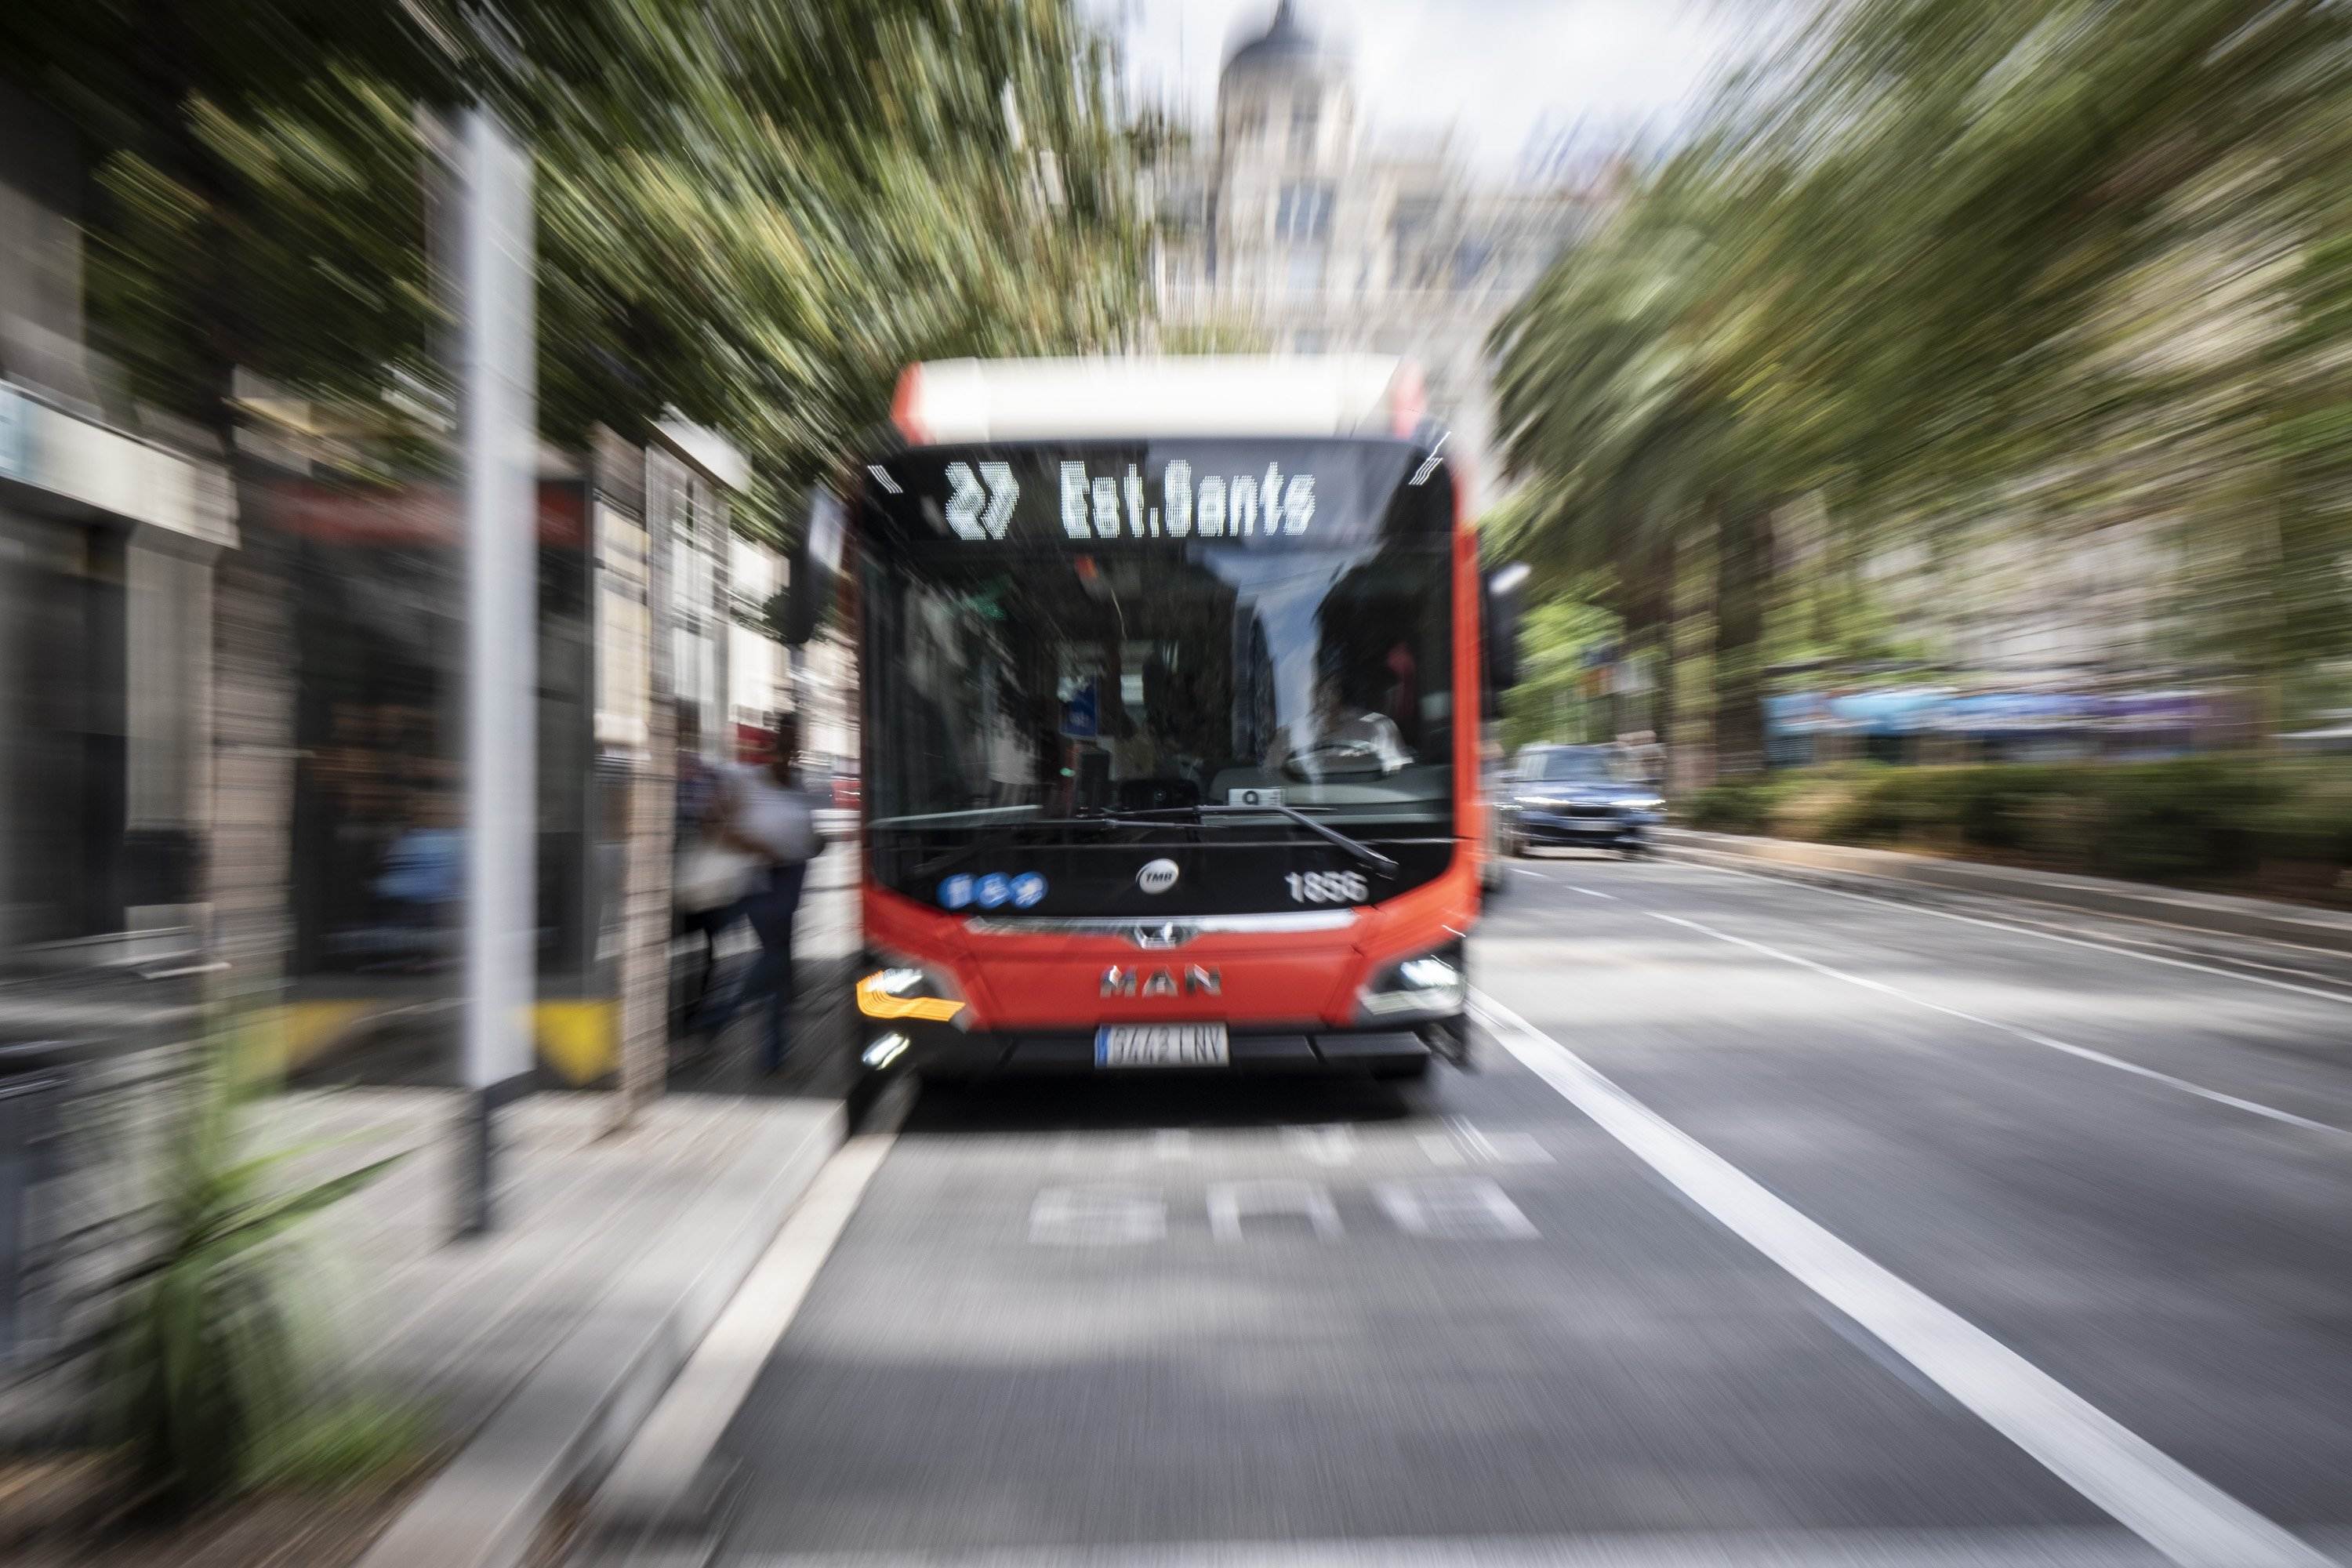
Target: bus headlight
{"x":909,"y":990}
{"x":1429,"y":986}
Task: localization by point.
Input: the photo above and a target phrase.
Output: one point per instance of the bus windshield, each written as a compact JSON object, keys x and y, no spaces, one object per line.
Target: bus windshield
{"x":1067,"y":632}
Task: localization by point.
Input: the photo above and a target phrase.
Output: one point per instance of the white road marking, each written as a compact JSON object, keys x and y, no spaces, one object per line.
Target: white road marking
{"x":1230,"y":1201}
{"x":661,"y":1462}
{"x":1592,"y":893}
{"x":2341,"y":997}
{"x":2252,"y":1107}
{"x":1526,"y":871}
{"x":1501,"y":1148}
{"x":1453,"y":1208}
{"x":1334,"y":1145}
{"x":1473,"y":1140}
{"x":2069,"y":1547}
{"x":1440,"y":1149}
{"x":1096,"y":1217}
{"x":1120,"y":1153}
{"x":2170,"y":1507}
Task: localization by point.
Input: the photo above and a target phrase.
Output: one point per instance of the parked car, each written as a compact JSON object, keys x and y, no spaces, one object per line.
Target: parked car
{"x":1579,"y":796}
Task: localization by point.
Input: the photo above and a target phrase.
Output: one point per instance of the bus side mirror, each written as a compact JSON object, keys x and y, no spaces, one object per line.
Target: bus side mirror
{"x":1501,"y":592}
{"x":811,"y":572}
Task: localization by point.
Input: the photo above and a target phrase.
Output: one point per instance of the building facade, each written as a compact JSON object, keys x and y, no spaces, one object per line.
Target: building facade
{"x":112,"y":520}
{"x":1287,"y":223}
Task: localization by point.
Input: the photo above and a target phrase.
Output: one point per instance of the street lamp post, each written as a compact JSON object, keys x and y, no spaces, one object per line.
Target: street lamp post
{"x":498,"y":423}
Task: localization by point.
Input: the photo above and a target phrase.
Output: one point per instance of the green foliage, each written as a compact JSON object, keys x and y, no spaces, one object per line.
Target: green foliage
{"x":201,"y":1371}
{"x":1942,"y":268}
{"x":2196,"y":820}
{"x":753,"y":211}
{"x":1549,"y":701}
{"x":1743,"y":806}
{"x":351,"y":1443}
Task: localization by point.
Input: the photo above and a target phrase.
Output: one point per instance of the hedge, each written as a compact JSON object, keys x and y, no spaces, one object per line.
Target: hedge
{"x":2211,"y":819}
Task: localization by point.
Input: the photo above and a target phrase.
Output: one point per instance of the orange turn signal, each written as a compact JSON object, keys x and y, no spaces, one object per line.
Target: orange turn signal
{"x":877,"y":1003}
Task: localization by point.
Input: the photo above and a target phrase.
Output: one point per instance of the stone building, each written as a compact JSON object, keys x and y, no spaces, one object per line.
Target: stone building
{"x":1289,"y":221}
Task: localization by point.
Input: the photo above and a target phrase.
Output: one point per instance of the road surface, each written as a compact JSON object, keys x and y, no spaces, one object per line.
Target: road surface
{"x":1778,"y":1226}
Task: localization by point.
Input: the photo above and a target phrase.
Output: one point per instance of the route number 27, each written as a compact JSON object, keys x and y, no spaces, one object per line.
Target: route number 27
{"x":1326,"y":887}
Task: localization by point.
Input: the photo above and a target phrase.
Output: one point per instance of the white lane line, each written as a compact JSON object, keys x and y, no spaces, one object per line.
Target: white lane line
{"x":2066,"y":1547}
{"x":1526,"y":871}
{"x":1592,"y":893}
{"x":2161,"y":1500}
{"x":661,"y":1462}
{"x":2253,"y":1107}
{"x":2341,"y":997}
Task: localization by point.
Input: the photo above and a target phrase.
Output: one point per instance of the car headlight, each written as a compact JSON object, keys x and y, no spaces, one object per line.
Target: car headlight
{"x":1649,"y":805}
{"x":1429,"y":986}
{"x":909,"y":990}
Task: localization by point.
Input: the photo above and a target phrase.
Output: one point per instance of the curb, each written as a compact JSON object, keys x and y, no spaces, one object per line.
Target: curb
{"x":568,"y":1423}
{"x":1883,"y":870}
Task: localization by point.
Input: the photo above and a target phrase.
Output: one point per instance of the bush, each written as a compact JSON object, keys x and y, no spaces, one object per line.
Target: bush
{"x":1740,"y":807}
{"x":2197,"y":819}
{"x":2166,"y":821}
{"x":201,"y":1373}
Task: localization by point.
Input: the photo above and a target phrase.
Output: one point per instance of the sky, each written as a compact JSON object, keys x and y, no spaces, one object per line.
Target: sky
{"x":1492,"y":70}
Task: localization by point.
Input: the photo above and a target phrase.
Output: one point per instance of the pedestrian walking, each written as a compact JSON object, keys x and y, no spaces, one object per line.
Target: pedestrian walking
{"x":709,"y":877}
{"x":764,"y":813}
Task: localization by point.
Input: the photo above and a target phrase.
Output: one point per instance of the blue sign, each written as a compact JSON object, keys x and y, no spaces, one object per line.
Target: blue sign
{"x":1027,"y":888}
{"x":1079,"y":714}
{"x":956,"y":891}
{"x":994,"y":890}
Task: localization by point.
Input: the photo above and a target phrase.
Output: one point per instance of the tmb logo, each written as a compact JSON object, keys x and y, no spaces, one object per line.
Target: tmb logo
{"x":1157,"y":876}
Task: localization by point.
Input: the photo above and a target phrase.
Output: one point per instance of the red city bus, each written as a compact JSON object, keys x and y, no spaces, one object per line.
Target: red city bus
{"x":1172,"y":686}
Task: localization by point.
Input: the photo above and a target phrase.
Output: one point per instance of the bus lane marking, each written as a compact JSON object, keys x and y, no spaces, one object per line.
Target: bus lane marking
{"x":1231,"y":1202}
{"x":1454,"y":1209}
{"x":1096,"y":1217}
{"x":1331,"y":1145}
{"x":2173,"y":1509}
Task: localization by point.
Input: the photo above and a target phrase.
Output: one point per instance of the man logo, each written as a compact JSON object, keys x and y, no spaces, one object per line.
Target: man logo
{"x":1157,"y":876}
{"x":1200,"y":980}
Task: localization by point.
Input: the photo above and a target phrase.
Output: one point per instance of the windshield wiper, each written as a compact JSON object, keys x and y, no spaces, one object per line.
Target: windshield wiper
{"x":1364,"y":853}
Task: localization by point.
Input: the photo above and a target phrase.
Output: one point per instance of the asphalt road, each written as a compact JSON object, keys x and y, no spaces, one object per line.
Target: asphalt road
{"x":1777,"y":1227}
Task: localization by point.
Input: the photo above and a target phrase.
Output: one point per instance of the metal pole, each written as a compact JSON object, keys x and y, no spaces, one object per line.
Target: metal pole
{"x":500,"y":424}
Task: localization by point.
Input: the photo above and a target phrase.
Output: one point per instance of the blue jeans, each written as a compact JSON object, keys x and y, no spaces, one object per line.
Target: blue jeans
{"x":771,"y":905}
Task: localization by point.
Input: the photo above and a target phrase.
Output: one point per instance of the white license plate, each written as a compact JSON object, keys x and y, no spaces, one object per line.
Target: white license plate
{"x":1161,"y":1045}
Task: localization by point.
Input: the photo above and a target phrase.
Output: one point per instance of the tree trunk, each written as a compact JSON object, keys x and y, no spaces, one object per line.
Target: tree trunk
{"x":1740,"y":569}
{"x":1660,"y":637}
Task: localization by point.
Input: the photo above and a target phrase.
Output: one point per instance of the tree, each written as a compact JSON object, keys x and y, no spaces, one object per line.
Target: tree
{"x":1944,"y":270}
{"x":755,"y":211}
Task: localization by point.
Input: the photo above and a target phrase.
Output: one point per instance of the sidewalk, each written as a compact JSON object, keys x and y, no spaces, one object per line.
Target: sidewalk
{"x":536,"y":1351}
{"x":1884,"y":870}
{"x":619,"y":1255}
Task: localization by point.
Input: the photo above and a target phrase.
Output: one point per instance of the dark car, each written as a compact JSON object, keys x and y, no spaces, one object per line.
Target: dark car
{"x":1579,"y":796}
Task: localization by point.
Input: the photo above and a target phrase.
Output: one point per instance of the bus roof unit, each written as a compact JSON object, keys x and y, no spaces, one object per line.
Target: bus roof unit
{"x":971,"y":401}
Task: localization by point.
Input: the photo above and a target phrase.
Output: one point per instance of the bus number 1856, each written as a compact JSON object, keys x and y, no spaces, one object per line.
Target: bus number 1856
{"x":1327,"y":887}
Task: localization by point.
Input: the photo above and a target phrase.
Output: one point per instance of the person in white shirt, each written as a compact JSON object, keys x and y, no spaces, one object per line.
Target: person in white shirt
{"x":764,"y":813}
{"x":1338,"y":736}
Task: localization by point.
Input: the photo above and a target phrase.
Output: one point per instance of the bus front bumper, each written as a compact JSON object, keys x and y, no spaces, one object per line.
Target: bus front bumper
{"x":943,"y":1051}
